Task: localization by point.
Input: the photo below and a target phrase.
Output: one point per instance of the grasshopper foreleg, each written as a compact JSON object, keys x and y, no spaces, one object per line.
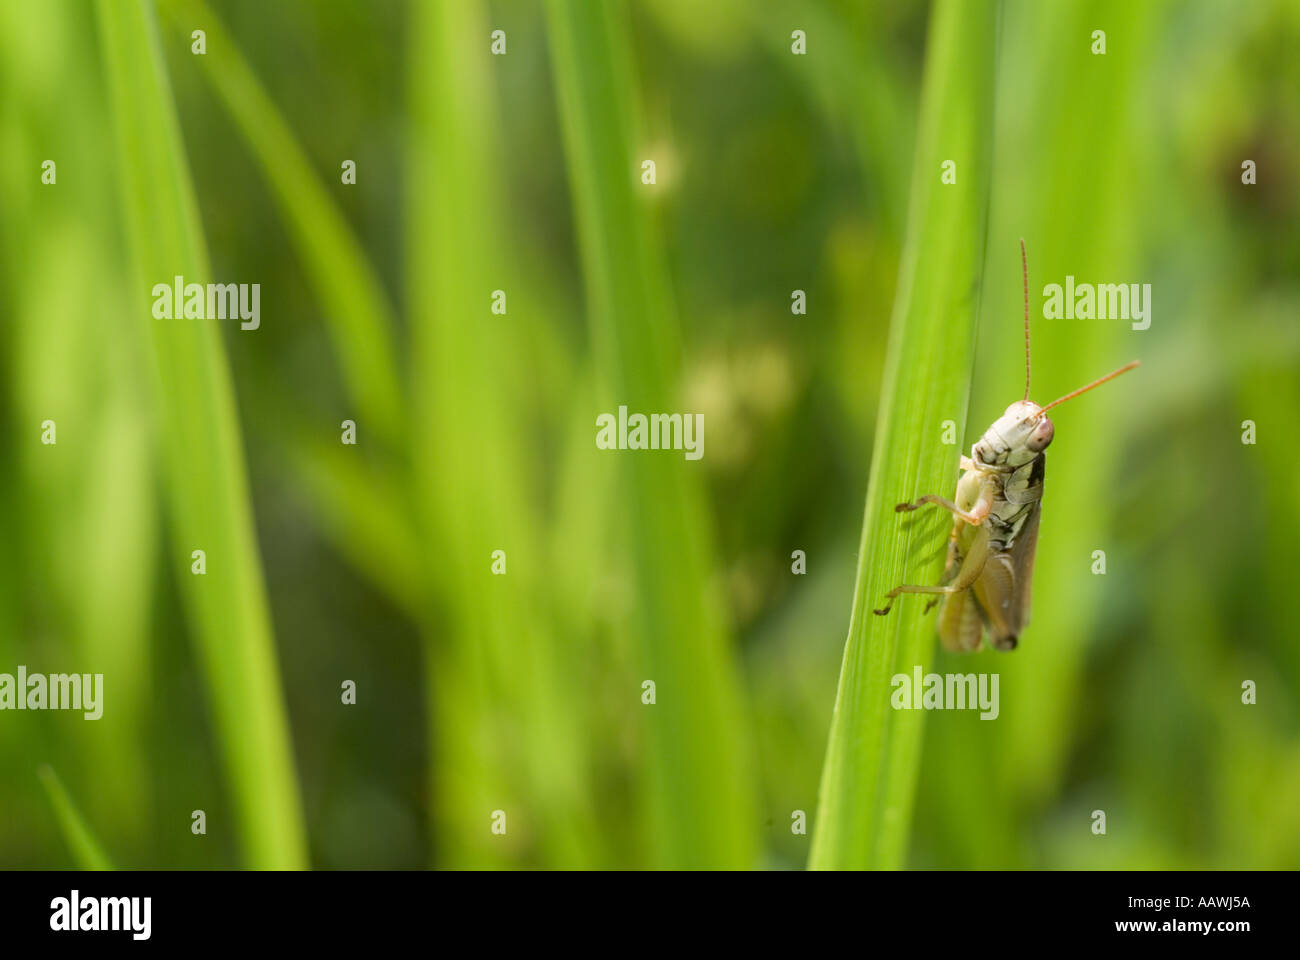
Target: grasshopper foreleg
{"x":987,"y":487}
{"x":975,"y":515}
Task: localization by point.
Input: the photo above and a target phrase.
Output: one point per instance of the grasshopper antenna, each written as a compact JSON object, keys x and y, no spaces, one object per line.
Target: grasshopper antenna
{"x":1024,"y":267}
{"x":1096,"y":383}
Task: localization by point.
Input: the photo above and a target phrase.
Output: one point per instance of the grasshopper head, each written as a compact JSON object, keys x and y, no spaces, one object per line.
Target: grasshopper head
{"x":1016,"y":437}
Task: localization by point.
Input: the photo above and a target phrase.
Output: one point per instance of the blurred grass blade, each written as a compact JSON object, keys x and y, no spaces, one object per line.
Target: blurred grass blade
{"x":86,"y":849}
{"x":855,"y":80}
{"x":505,"y":725}
{"x":87,"y":531}
{"x":347,"y":288}
{"x":699,"y":795}
{"x":869,"y":778}
{"x":206,"y":482}
{"x":366,"y":513}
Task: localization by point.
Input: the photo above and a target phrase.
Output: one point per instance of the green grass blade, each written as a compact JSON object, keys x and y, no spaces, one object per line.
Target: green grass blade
{"x":86,"y":849}
{"x":507,"y":730}
{"x":83,"y":543}
{"x":347,"y":288}
{"x":699,"y":795}
{"x":206,"y":482}
{"x":869,"y":778}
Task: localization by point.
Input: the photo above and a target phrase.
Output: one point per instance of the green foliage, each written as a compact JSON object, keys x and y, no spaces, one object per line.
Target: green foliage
{"x":699,"y":803}
{"x":361,"y":321}
{"x":776,"y":172}
{"x":86,"y":849}
{"x":205,"y":478}
{"x":502,"y":720}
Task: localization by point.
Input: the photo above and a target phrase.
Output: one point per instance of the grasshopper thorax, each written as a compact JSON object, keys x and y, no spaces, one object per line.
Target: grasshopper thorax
{"x":1014,"y":438}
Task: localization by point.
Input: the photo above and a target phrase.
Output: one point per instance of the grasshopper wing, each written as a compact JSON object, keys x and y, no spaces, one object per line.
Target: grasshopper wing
{"x":1022,"y":567}
{"x":1002,"y":589}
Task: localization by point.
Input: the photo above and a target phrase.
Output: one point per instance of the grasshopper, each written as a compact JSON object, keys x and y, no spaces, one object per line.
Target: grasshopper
{"x":985,"y":585}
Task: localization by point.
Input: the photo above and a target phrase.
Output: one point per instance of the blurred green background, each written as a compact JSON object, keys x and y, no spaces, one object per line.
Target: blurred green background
{"x":522,"y":692}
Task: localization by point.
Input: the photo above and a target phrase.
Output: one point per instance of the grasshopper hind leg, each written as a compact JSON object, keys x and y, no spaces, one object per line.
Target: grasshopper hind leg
{"x":961,"y":625}
{"x":972,"y":566}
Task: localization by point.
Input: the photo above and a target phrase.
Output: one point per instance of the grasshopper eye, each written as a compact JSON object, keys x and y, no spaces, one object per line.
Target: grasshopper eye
{"x":1042,"y":436}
